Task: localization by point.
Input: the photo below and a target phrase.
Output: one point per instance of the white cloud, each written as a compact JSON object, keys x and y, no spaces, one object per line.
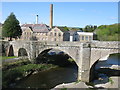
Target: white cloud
{"x":114,"y":18}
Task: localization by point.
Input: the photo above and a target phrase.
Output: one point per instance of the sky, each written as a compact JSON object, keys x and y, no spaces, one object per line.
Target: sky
{"x":71,"y":14}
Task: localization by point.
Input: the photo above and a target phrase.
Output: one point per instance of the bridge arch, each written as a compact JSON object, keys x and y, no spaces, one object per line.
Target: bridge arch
{"x":47,"y":49}
{"x":102,"y":59}
{"x":22,"y":52}
{"x":101,"y":53}
{"x":10,"y":51}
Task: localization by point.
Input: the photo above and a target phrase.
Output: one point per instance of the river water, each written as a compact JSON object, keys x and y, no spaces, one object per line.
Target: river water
{"x":50,"y":78}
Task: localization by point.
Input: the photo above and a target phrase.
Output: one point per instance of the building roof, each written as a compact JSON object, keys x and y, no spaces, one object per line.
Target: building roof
{"x":79,"y":31}
{"x":85,"y":33}
{"x":41,"y":28}
{"x":24,"y":28}
{"x":62,"y":28}
{"x":71,"y":32}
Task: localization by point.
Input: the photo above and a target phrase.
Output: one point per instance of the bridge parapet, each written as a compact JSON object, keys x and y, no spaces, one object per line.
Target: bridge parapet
{"x":105,"y":44}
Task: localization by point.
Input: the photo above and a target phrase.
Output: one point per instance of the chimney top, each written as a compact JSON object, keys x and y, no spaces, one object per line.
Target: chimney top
{"x":36,"y":19}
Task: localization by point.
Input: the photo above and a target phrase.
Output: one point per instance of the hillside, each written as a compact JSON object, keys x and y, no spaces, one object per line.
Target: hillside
{"x":108,"y":32}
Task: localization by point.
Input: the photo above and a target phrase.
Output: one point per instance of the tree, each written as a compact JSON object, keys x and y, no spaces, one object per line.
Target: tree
{"x":108,"y":32}
{"x":89,"y":28}
{"x":11,"y":27}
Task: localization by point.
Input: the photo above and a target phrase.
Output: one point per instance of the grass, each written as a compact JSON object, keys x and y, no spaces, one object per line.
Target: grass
{"x":5,"y":57}
{"x":111,"y":81}
{"x":77,"y":81}
{"x":63,"y":89}
{"x":13,"y":74}
{"x":18,"y":63}
{"x":70,"y":59}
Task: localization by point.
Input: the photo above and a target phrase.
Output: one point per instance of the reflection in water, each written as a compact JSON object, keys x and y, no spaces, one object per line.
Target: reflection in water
{"x":50,"y":78}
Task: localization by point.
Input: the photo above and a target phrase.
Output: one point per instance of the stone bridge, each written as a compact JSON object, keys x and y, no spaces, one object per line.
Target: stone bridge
{"x":84,"y":54}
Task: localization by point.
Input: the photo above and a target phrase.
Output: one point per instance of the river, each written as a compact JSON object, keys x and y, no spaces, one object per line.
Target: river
{"x":49,"y":79}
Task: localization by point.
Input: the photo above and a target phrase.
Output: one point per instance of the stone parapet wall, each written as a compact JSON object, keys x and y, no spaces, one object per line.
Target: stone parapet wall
{"x":105,"y":44}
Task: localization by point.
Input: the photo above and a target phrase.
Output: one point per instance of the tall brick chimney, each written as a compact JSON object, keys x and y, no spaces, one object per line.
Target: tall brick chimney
{"x":36,"y":19}
{"x":51,"y":15}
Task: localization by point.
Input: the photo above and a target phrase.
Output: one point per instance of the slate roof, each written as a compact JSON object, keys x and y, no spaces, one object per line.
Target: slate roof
{"x":71,"y":32}
{"x":41,"y":28}
{"x":62,"y":28}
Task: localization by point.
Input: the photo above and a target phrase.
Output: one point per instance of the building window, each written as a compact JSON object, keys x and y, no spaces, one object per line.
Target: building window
{"x":46,"y":34}
{"x":86,"y":38}
{"x":90,"y":38}
{"x":82,"y":37}
{"x":59,"y":34}
{"x":55,"y":34}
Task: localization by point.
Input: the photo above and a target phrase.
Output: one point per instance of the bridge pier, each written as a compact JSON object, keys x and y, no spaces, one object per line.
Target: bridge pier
{"x":84,"y":63}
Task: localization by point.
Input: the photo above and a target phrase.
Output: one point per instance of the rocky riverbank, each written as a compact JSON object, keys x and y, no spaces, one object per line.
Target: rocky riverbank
{"x":71,"y":85}
{"x":112,"y":83}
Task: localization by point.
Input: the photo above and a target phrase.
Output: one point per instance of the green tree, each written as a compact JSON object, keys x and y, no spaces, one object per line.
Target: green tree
{"x":89,"y":28}
{"x":11,"y":27}
{"x":108,"y":32}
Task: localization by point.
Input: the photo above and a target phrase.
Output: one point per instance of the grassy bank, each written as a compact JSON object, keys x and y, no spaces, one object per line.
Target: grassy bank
{"x":18,"y":63}
{"x":18,"y":70}
{"x":5,"y":57}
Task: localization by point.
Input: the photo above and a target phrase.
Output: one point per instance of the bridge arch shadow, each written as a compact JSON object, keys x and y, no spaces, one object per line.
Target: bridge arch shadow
{"x":104,"y":65}
{"x":54,"y":53}
{"x":10,"y":51}
{"x":46,"y":50}
{"x":22,"y":52}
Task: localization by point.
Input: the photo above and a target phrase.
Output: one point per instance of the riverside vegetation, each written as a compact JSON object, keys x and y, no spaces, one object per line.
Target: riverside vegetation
{"x":12,"y":72}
